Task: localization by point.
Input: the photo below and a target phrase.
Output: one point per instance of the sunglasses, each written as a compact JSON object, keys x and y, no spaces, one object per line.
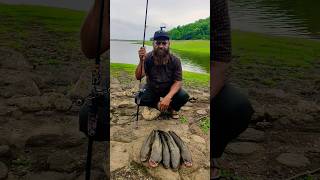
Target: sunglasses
{"x":158,"y":43}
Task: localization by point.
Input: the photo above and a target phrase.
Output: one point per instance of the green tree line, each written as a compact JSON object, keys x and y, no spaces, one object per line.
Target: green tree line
{"x":197,"y":30}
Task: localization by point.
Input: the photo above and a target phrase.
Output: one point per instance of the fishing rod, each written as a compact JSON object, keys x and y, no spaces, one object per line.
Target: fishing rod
{"x":96,"y":102}
{"x":143,"y":42}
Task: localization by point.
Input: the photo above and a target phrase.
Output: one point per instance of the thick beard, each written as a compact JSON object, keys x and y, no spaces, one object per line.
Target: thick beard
{"x":161,"y":56}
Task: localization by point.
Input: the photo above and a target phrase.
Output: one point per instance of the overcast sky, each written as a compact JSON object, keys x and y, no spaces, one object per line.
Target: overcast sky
{"x":127,"y":16}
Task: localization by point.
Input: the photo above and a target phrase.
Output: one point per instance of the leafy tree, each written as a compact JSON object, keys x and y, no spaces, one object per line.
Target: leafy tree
{"x":200,"y":29}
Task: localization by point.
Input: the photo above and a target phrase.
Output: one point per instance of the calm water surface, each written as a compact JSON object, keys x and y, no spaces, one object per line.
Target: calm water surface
{"x":298,"y":18}
{"x":127,"y":52}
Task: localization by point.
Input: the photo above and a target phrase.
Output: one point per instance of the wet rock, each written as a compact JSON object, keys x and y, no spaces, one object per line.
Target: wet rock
{"x":63,"y":104}
{"x":119,"y":156}
{"x":293,"y":160}
{"x":243,"y":148}
{"x":252,"y":135}
{"x":150,"y":113}
{"x":163,"y":174}
{"x":3,"y":171}
{"x":63,"y":161}
{"x":201,"y":112}
{"x":49,"y":175}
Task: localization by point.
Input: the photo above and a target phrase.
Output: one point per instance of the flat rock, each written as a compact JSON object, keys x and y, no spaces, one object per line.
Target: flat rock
{"x":293,"y":160}
{"x":82,"y":87}
{"x":252,"y":135}
{"x":150,"y":113}
{"x":201,"y":112}
{"x":124,"y":120}
{"x":49,"y":175}
{"x":263,"y":125}
{"x":195,"y":129}
{"x":119,"y":156}
{"x":163,"y":174}
{"x":63,"y":161}
{"x":17,"y":83}
{"x":198,"y":139}
{"x":201,"y":174}
{"x":123,"y":135}
{"x":243,"y":148}
{"x":186,"y":108}
{"x":11,"y":59}
{"x":63,"y":104}
{"x":127,"y":104}
{"x":55,"y":140}
{"x":3,"y":171}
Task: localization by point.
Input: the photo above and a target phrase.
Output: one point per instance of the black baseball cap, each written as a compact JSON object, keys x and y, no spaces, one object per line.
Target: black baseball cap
{"x":161,"y":35}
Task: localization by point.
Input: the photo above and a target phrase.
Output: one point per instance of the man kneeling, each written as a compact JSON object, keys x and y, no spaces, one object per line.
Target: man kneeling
{"x":164,"y":77}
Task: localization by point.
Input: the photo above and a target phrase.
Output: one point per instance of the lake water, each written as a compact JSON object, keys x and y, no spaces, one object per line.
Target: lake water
{"x":299,"y":18}
{"x":127,"y":52}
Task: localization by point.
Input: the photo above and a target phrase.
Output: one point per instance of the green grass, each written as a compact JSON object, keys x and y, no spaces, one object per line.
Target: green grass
{"x":189,"y":78}
{"x":183,"y":119}
{"x":255,"y":48}
{"x":205,"y":124}
{"x":52,"y":19}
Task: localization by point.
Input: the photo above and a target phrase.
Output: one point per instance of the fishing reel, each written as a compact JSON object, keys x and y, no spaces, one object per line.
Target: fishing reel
{"x":94,"y":116}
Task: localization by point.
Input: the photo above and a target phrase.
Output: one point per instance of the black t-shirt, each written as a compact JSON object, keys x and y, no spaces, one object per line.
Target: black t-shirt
{"x":221,"y":40}
{"x":161,"y":77}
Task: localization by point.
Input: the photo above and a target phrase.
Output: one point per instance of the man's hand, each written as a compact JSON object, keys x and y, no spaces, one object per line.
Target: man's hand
{"x":164,"y":103}
{"x":142,"y":53}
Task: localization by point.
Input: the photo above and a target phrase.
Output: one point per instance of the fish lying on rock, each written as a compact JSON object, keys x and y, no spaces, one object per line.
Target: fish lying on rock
{"x":156,"y":152}
{"x":146,"y":147}
{"x":184,"y":150}
{"x":165,"y":151}
{"x":174,"y":151}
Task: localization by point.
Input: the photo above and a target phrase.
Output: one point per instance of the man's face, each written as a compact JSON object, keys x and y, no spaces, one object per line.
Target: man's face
{"x":161,"y":46}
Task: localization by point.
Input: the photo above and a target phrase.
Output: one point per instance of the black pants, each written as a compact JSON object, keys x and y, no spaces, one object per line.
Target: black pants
{"x":231,"y":112}
{"x":150,"y":98}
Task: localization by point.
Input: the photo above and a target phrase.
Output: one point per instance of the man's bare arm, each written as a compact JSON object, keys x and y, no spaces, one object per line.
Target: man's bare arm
{"x":174,"y":89}
{"x":140,"y":74}
{"x":218,"y":76}
{"x":90,"y":30}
